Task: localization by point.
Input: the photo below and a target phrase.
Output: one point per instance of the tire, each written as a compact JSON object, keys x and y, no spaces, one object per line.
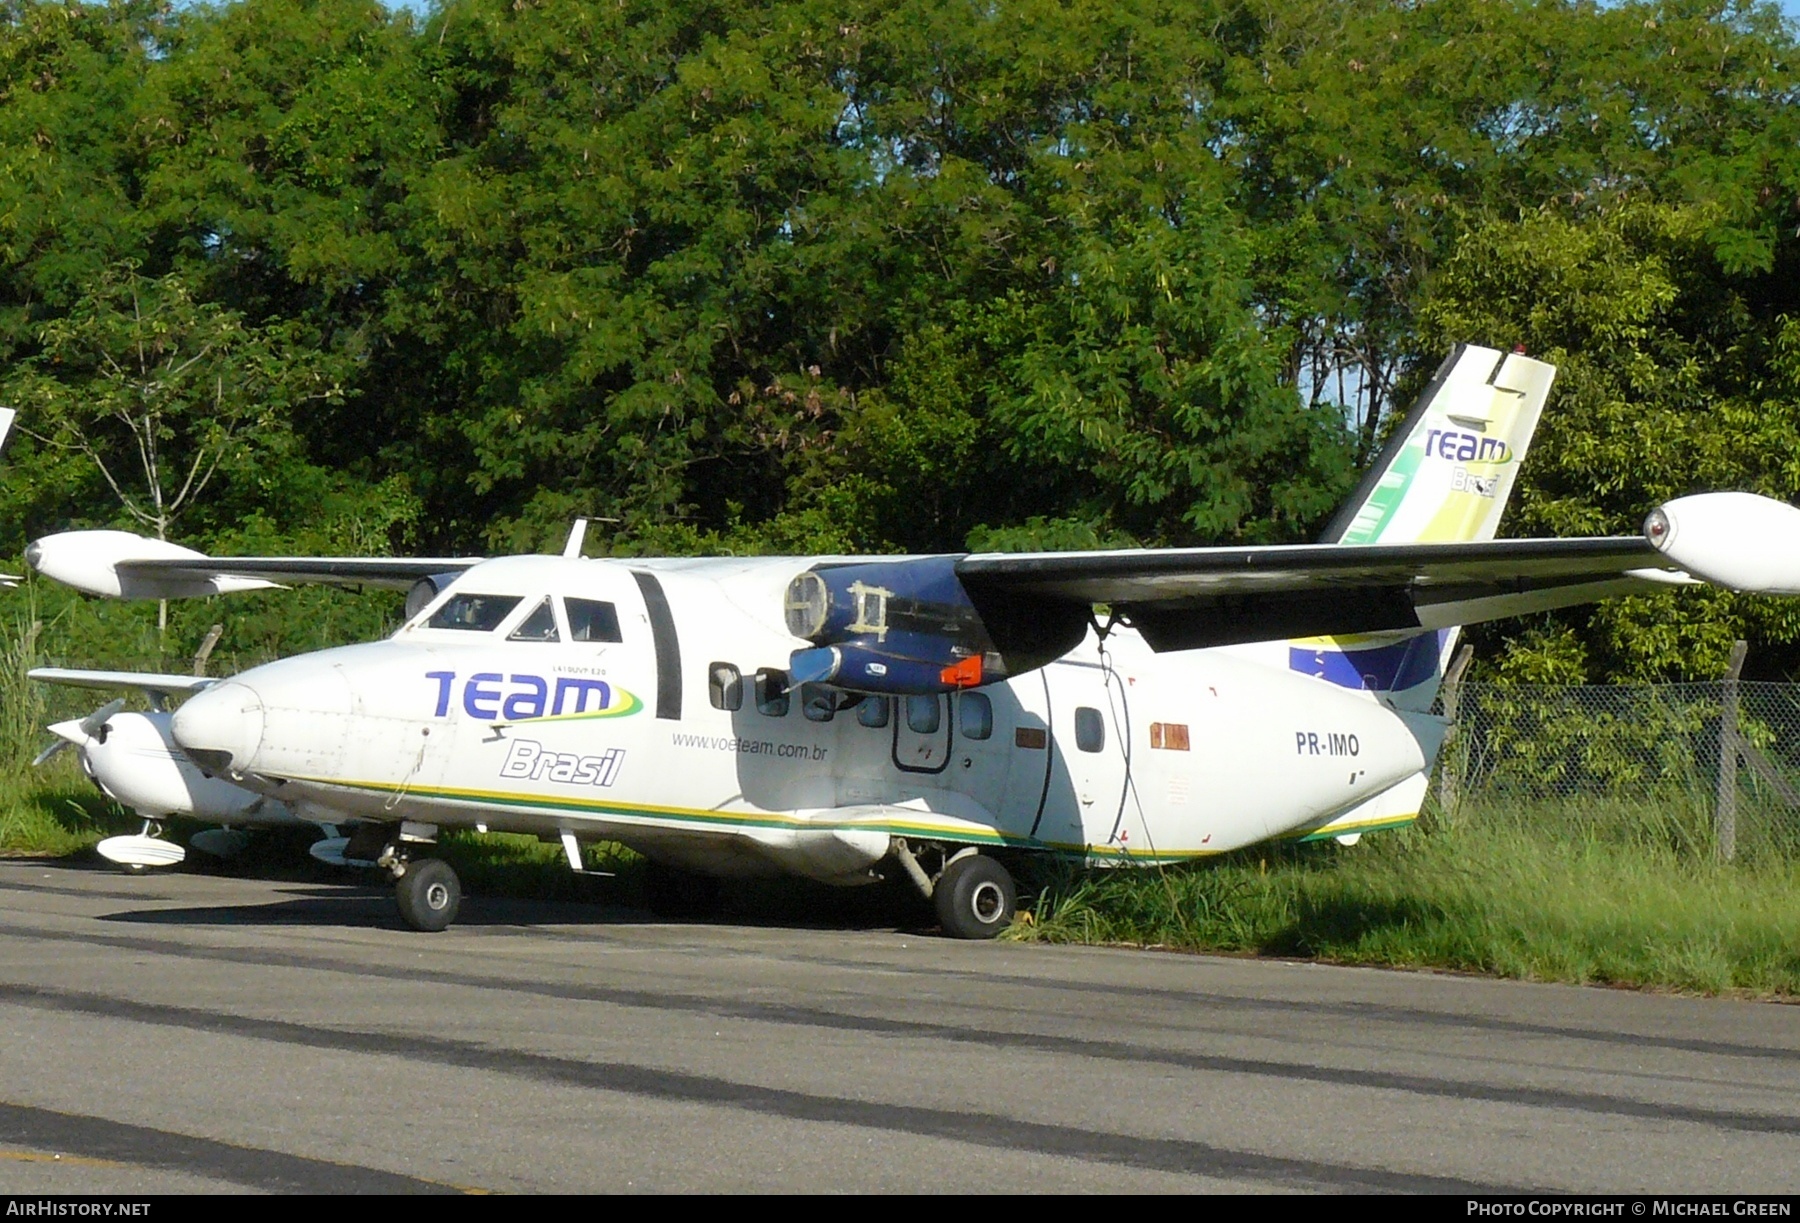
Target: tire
{"x":975,"y":898}
{"x":670,"y":892}
{"x":429,"y":894}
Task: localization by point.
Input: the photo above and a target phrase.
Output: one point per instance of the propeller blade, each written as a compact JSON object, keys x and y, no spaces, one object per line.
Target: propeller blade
{"x":43,"y":757}
{"x":94,"y":721}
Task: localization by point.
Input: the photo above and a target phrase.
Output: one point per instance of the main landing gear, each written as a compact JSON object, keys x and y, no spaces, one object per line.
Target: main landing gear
{"x":974,"y":895}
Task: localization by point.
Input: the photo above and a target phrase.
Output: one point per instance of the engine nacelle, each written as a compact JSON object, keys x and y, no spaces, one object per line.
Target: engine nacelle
{"x":1737,"y":540}
{"x":89,"y":560}
{"x":133,"y":757}
{"x":899,"y":627}
{"x":426,"y":589}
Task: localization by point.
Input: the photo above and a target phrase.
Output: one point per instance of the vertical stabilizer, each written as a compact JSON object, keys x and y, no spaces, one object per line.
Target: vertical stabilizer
{"x":1443,"y":477}
{"x":1447,"y":471}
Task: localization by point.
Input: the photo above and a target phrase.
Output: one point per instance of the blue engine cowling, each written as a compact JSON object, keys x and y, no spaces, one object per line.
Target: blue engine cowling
{"x":913,"y":627}
{"x":899,"y":627}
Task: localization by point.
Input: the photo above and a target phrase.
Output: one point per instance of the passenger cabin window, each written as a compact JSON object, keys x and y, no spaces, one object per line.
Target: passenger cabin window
{"x":1090,"y":729}
{"x":725,"y":685}
{"x":474,"y":613}
{"x":922,"y":716}
{"x":772,"y":692}
{"x":540,"y":625}
{"x":817,"y":703}
{"x":977,"y":715}
{"x":592,"y":620}
{"x":873,"y":712}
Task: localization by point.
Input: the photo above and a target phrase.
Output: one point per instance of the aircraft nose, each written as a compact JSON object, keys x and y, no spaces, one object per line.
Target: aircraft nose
{"x":221,"y":728}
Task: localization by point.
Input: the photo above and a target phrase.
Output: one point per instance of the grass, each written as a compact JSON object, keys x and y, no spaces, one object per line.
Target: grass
{"x":53,"y":816}
{"x":1519,"y":896}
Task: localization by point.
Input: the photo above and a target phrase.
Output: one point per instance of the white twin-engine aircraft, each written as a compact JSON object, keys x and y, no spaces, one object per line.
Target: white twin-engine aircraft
{"x":938,"y":715}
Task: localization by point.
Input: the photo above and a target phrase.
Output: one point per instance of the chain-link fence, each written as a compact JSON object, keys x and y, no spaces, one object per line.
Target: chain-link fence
{"x":1705,"y":767}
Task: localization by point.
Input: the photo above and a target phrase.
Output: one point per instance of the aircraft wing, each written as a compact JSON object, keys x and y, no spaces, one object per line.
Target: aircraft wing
{"x":387,"y":572}
{"x":145,"y":681}
{"x":1186,"y":598}
{"x":120,"y":565}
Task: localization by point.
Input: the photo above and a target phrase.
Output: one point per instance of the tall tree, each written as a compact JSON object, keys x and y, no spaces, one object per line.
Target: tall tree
{"x":161,"y":393}
{"x":1676,"y":374}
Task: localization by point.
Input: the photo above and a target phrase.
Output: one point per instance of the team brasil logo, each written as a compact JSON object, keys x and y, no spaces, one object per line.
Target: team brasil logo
{"x":495,"y":697}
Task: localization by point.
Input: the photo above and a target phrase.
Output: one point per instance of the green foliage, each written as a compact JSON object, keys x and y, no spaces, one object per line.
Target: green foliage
{"x":159,"y":393}
{"x":1671,"y":380}
{"x":836,"y":275}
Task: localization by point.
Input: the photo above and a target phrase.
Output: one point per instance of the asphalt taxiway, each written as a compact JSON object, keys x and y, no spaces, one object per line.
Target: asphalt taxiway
{"x":185,"y":1032}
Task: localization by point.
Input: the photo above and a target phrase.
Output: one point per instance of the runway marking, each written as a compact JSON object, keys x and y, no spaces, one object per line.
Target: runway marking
{"x":106,"y":1143}
{"x":1137,"y":1054}
{"x":972,"y":1128}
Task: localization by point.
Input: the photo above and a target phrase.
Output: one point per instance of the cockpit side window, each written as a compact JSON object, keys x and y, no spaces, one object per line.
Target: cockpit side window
{"x":474,"y":613}
{"x":592,"y":620}
{"x":540,"y":625}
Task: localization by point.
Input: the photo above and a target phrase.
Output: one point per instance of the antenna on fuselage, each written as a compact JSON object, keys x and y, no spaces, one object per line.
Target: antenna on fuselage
{"x":577,"y":534}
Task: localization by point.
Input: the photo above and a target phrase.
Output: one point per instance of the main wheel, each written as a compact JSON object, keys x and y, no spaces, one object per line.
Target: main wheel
{"x":975,"y":898}
{"x":429,"y":894}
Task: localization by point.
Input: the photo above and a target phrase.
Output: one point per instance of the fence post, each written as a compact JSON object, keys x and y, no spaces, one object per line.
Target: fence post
{"x":1725,"y":809}
{"x":1447,"y":768}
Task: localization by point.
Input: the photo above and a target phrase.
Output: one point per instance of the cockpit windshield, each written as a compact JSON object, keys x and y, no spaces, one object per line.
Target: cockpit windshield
{"x":540,"y":625}
{"x":473,"y":613}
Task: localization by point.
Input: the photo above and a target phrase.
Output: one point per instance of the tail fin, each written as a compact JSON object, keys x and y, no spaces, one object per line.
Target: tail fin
{"x":1446,"y":472}
{"x":1443,"y":477}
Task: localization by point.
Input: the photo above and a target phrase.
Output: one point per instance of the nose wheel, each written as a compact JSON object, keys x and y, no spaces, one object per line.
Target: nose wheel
{"x":429,"y":894}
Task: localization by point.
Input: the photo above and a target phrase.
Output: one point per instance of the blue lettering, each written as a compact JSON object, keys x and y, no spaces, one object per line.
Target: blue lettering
{"x":528,"y":704}
{"x":491,"y":696}
{"x":599,"y":688}
{"x":473,"y":692}
{"x":443,"y":678}
{"x":1466,"y":447}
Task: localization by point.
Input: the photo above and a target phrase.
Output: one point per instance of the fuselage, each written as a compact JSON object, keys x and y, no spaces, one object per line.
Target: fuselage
{"x":648,"y":702}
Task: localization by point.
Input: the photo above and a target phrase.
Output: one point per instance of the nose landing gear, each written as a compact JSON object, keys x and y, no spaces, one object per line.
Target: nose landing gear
{"x":426,"y":889}
{"x":428,"y":892}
